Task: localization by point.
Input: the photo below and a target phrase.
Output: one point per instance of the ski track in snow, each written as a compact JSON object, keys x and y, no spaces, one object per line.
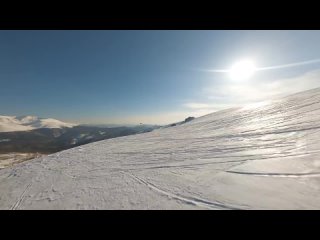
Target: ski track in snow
{"x":265,"y":157}
{"x":195,"y":201}
{"x":16,"y":205}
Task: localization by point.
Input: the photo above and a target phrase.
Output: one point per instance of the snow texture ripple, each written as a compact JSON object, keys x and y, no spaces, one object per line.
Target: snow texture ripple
{"x":264,"y":156}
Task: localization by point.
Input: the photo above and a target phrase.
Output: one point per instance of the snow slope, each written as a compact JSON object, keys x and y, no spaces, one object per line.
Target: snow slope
{"x":264,"y":156}
{"x":26,"y":123}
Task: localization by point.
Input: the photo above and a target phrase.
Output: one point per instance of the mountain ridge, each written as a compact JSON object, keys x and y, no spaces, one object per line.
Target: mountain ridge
{"x":28,"y":122}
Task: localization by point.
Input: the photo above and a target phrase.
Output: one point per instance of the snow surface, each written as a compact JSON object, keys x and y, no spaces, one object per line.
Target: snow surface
{"x":263,"y":156}
{"x":26,"y":123}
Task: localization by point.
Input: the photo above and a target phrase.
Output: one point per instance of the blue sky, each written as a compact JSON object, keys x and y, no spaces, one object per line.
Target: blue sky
{"x":146,"y":76}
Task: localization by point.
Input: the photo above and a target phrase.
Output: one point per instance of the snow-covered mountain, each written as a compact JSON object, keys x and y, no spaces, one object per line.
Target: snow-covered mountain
{"x":51,"y":140}
{"x":263,"y":156}
{"x":26,"y":123}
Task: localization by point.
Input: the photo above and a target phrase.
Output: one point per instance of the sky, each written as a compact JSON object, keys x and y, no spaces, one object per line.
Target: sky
{"x":150,"y":77}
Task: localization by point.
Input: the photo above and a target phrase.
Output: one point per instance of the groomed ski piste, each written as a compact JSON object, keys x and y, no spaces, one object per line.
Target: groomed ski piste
{"x":264,"y":156}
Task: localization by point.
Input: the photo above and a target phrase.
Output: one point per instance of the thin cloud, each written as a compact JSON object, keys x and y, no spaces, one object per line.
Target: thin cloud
{"x":223,"y":96}
{"x":268,"y":68}
{"x":197,"y":105}
{"x":255,"y":91}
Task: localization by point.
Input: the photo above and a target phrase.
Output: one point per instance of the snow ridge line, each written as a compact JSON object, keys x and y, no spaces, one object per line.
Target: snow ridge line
{"x":294,"y":175}
{"x":194,"y":201}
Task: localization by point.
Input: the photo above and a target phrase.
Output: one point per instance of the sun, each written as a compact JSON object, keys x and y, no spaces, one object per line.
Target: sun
{"x":242,"y":70}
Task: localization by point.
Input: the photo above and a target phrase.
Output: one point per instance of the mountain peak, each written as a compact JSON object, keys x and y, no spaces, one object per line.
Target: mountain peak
{"x":29,"y":122}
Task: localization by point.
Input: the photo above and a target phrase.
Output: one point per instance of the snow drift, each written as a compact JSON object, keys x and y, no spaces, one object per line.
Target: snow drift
{"x":263,"y":156}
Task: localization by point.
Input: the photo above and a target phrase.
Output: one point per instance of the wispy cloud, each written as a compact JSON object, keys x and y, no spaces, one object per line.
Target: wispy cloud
{"x":241,"y":93}
{"x":233,"y":94}
{"x":197,"y":109}
{"x":289,"y":65}
{"x":223,"y":96}
{"x":197,"y":105}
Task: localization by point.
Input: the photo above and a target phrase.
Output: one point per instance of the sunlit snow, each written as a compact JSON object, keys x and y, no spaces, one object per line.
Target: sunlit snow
{"x":259,"y":157}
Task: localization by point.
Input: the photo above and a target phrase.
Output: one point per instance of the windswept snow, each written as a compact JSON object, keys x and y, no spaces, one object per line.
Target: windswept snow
{"x":265,"y":156}
{"x":26,"y":123}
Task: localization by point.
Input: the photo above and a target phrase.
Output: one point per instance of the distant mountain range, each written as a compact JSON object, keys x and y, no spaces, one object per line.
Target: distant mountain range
{"x":31,"y":134}
{"x":120,"y":125}
{"x":26,"y":123}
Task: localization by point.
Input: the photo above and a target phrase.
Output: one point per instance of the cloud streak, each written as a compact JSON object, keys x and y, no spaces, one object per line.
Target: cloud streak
{"x":265,"y":90}
{"x":233,"y":94}
{"x":268,"y":68}
{"x":225,"y":95}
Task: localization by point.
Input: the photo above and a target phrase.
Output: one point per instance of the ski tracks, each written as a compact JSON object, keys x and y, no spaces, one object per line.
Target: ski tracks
{"x":21,"y":198}
{"x":188,"y":200}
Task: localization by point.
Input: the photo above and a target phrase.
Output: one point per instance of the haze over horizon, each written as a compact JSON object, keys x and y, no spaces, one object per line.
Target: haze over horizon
{"x":151,"y":77}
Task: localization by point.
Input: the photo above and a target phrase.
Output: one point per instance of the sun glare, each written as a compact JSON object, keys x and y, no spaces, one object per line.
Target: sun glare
{"x":242,"y":70}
